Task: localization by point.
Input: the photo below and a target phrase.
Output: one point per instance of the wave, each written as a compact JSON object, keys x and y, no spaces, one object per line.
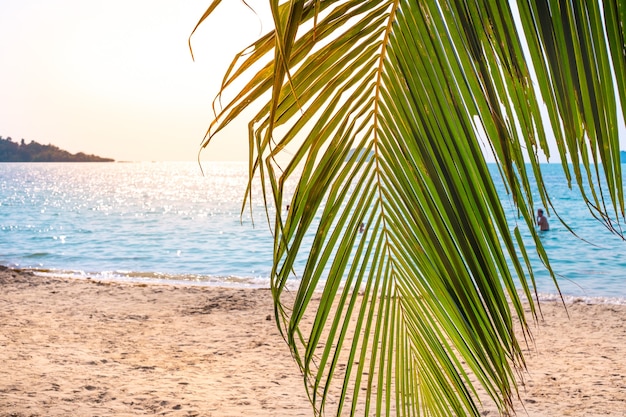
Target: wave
{"x":156,"y":278}
{"x":575,"y":299}
{"x":37,"y":255}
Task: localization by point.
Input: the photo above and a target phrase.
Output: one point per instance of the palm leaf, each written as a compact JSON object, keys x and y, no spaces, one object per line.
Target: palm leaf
{"x":410,"y":315}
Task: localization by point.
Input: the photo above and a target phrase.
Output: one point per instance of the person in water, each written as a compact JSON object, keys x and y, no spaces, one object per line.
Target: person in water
{"x":542,"y":221}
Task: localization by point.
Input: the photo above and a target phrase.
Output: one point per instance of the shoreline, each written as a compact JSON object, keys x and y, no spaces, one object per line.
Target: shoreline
{"x":85,"y":347}
{"x":235,"y":282}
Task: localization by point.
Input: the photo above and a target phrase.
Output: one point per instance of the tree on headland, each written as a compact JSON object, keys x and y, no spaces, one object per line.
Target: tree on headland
{"x":35,"y":152}
{"x":416,"y":312}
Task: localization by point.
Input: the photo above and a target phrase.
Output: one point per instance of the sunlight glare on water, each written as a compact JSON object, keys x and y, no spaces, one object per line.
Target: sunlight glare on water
{"x":165,"y":218}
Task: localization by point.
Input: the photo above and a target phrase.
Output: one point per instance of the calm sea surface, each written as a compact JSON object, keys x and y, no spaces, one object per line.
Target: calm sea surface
{"x":167,"y":221}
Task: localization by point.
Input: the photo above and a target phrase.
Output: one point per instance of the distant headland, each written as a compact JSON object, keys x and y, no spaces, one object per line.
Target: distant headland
{"x":35,"y":152}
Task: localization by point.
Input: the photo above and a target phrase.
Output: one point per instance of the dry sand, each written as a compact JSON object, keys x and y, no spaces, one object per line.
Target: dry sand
{"x":73,"y":347}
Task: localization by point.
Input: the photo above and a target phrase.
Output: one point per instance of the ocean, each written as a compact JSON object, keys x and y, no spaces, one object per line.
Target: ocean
{"x":170,"y":222}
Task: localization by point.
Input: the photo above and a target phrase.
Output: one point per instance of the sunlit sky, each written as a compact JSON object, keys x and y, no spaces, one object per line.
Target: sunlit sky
{"x":115,"y":78}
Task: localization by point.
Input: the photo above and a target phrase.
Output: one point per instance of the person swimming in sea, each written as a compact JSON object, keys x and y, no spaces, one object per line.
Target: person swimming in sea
{"x":542,"y":221}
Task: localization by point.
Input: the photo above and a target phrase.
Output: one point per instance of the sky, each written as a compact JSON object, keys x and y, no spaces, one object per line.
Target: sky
{"x":115,"y":78}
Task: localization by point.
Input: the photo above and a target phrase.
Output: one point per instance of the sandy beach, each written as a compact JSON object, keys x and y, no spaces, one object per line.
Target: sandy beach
{"x":80,"y":347}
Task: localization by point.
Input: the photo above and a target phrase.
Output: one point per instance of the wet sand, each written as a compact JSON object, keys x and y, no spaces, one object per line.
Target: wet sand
{"x":79,"y":347}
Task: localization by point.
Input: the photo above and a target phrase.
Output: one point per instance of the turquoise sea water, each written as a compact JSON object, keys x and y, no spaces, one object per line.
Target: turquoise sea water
{"x":167,"y":221}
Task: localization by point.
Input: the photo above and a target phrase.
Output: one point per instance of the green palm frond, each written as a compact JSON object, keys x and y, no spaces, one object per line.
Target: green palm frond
{"x":411,"y":315}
